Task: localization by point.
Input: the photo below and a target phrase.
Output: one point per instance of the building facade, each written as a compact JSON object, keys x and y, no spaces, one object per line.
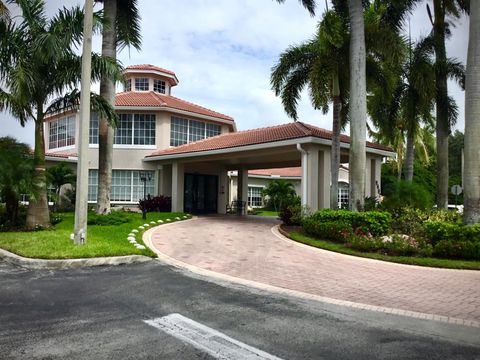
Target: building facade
{"x":194,"y":154}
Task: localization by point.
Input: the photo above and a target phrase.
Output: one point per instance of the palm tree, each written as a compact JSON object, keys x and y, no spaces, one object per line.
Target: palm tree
{"x":16,"y":169}
{"x":357,"y":106}
{"x":4,"y":12}
{"x":59,"y":175}
{"x":472,"y":121}
{"x":307,"y":4}
{"x":317,"y":64}
{"x":122,"y":29}
{"x":279,"y":193}
{"x":441,"y":29}
{"x":37,"y":61}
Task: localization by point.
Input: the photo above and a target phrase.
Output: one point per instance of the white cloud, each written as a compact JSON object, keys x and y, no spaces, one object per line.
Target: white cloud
{"x":223,"y":50}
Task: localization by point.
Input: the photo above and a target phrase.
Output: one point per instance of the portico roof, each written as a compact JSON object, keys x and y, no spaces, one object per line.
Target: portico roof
{"x":248,"y":138}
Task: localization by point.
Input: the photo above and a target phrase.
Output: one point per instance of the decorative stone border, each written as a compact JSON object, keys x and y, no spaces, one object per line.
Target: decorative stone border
{"x":30,"y":263}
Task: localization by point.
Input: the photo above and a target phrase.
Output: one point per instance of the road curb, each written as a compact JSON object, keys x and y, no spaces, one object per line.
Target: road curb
{"x":30,"y":263}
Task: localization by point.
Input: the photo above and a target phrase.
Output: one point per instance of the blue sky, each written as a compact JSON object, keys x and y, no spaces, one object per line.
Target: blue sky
{"x":222,"y":52}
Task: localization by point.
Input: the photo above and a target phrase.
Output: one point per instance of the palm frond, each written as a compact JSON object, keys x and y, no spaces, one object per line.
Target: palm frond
{"x":307,"y":4}
{"x":128,"y":24}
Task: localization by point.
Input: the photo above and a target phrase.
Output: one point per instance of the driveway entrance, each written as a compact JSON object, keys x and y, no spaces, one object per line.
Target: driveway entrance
{"x":246,"y":248}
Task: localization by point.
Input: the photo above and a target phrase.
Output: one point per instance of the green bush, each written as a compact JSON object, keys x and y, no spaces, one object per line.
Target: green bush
{"x":457,"y":249}
{"x":376,"y":223}
{"x":328,"y":230}
{"x":364,"y":244}
{"x":411,"y":221}
{"x":406,"y":194}
{"x":292,"y":214}
{"x":114,"y":218}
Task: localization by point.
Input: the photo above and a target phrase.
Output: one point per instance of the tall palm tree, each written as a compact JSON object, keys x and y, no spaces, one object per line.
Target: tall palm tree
{"x":38,"y":61}
{"x":441,"y":29}
{"x":122,"y":29}
{"x":318,"y":64}
{"x":307,"y":4}
{"x":357,"y":106}
{"x":472,"y":121}
{"x":322,"y":65}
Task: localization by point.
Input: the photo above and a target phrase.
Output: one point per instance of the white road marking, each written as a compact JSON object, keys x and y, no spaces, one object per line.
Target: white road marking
{"x":213,"y":342}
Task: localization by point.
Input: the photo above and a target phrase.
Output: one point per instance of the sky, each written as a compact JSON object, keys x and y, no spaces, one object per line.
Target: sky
{"x":222,"y":52}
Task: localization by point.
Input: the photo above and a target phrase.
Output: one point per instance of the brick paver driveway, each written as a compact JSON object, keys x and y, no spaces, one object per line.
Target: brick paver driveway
{"x":246,"y":248}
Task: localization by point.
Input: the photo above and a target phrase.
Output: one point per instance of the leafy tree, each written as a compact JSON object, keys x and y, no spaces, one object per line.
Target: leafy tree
{"x":16,"y":168}
{"x":279,"y":192}
{"x":59,"y":175}
{"x":38,"y":61}
{"x":122,"y":29}
{"x":472,"y":121}
{"x":445,"y":110}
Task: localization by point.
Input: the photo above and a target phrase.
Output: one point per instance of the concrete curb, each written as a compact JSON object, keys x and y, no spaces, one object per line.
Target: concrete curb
{"x":70,"y":263}
{"x":147,"y":239}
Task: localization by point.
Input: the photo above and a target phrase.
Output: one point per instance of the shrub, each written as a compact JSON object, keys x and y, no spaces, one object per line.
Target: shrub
{"x":329,"y":230}
{"x":293,"y":214}
{"x":406,"y":194}
{"x":457,"y":249}
{"x":374,"y":222}
{"x":436,"y":231}
{"x":411,"y":221}
{"x":363,"y":243}
{"x":158,"y":203}
{"x":114,"y":218}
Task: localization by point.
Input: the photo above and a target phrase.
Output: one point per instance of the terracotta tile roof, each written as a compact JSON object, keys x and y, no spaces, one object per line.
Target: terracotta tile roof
{"x":64,"y":155}
{"x":149,"y":67}
{"x":154,"y":99}
{"x":288,"y":172}
{"x":288,"y":131}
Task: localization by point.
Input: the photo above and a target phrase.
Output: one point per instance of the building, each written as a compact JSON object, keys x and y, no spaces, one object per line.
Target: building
{"x":188,"y":151}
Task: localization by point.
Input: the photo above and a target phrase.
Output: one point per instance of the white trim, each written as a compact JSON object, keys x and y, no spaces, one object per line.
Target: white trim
{"x":137,"y":147}
{"x":156,"y":72}
{"x":59,"y":149}
{"x":93,"y":146}
{"x":272,"y":144}
{"x":72,"y":159}
{"x":268,"y":177}
{"x":177,"y":111}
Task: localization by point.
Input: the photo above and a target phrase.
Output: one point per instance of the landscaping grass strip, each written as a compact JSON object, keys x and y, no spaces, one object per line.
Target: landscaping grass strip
{"x":107,"y":240}
{"x":408,"y":260}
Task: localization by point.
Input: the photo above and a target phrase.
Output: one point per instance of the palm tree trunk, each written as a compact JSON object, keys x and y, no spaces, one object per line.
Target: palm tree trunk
{"x":472,"y":120}
{"x":335,"y":157}
{"x":358,"y":107}
{"x":408,"y":170}
{"x":105,"y":132}
{"x":441,"y":99}
{"x":37,"y":213}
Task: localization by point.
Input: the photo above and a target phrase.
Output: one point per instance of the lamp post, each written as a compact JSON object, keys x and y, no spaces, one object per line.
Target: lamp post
{"x":144,"y":177}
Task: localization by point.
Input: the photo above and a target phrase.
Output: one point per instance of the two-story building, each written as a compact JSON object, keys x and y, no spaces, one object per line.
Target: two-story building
{"x":191,"y":153}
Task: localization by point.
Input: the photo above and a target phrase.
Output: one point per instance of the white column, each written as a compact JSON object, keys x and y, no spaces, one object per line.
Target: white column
{"x":242,"y":186}
{"x":313,"y":179}
{"x":177,"y":186}
{"x":368,"y":176}
{"x":324,"y":178}
{"x":223,"y":184}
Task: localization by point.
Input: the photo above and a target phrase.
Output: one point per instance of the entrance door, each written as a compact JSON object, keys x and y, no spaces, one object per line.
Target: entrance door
{"x":200,"y":193}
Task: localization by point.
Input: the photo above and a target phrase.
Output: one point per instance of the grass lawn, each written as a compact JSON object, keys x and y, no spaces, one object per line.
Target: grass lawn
{"x":101,"y":240}
{"x":421,"y":261}
{"x":263,"y":212}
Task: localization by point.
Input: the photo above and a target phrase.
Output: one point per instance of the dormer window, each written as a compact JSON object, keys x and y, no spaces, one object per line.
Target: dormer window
{"x":159,"y":86}
{"x":141,"y":84}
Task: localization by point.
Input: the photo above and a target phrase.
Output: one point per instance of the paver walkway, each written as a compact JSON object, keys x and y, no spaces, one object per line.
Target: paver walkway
{"x":246,"y":248}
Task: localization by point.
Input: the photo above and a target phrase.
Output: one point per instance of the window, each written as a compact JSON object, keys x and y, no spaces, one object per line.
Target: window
{"x":196,"y":131}
{"x":255,"y":198}
{"x":183,"y":131}
{"x":93,"y":130}
{"x":212,"y":130}
{"x":128,"y":85}
{"x":343,"y":195}
{"x":126,"y":185}
{"x":92,"y":184}
{"x":178,"y":131}
{"x":141,"y":84}
{"x":135,"y":129}
{"x":61,"y":132}
{"x":159,"y":86}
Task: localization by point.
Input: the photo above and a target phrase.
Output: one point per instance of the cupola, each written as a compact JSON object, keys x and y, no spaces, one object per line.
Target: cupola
{"x":146,"y":77}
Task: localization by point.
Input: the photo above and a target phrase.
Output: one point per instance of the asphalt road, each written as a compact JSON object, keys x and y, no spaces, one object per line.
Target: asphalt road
{"x":99,"y":313}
